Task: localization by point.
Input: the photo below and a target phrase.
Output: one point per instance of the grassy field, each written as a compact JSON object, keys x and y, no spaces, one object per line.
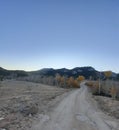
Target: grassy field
{"x":21,"y":102}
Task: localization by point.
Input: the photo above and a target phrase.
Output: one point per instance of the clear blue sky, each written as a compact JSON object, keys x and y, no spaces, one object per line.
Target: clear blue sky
{"x":37,"y":34}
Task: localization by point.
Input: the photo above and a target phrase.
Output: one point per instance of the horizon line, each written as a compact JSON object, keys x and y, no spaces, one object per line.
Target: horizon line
{"x":53,"y":68}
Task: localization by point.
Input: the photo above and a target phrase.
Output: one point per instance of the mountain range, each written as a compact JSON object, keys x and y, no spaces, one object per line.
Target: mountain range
{"x":87,"y":72}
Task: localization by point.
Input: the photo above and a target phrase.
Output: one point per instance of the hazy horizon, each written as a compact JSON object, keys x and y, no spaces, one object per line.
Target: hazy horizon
{"x":59,"y":34}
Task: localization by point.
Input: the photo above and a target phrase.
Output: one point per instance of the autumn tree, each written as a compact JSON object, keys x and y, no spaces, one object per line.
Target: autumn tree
{"x":75,"y":84}
{"x":97,"y":87}
{"x":62,"y":81}
{"x":113,"y":92}
{"x":58,"y":79}
{"x":50,"y":80}
{"x":89,"y":83}
{"x":108,"y":74}
{"x":99,"y":83}
{"x":108,"y":83}
{"x":70,"y":81}
{"x":94,"y":86}
{"x":81,"y":78}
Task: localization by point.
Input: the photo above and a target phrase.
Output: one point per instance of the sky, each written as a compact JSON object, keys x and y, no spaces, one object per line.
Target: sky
{"x":36,"y":34}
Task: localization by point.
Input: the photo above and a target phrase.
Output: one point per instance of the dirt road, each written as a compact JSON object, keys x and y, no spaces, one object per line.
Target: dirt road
{"x":78,"y":111}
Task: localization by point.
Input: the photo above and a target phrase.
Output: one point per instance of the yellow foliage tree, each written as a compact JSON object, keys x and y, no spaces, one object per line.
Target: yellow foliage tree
{"x":62,"y":81}
{"x":108,"y":74}
{"x":75,"y":84}
{"x":80,"y":78}
{"x":70,"y":81}
{"x":89,"y":84}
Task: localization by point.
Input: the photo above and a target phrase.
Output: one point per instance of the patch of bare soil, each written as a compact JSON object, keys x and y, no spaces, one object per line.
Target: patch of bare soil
{"x":108,"y":105}
{"x":21,"y":102}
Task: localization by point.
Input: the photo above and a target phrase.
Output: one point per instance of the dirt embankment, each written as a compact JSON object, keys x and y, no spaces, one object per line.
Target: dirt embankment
{"x":21,"y":102}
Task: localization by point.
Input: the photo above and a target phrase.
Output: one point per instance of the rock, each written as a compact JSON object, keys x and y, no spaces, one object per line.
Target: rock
{"x":29,"y":110}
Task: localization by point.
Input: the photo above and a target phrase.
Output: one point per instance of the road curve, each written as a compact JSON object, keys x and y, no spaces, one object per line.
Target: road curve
{"x":78,"y":111}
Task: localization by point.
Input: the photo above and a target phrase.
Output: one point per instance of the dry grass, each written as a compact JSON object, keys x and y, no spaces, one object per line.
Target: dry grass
{"x":108,"y":89}
{"x":21,"y":101}
{"x":109,"y":106}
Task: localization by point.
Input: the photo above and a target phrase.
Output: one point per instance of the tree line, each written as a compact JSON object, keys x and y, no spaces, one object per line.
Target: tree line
{"x":107,"y":87}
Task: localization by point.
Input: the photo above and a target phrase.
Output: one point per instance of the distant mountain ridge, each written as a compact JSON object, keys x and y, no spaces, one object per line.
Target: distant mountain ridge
{"x":12,"y":73}
{"x":87,"y":72}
